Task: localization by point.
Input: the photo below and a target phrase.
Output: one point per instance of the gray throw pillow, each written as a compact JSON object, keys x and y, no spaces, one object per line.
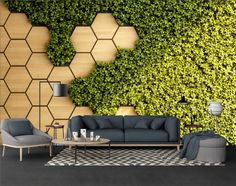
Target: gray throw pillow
{"x":157,"y":123}
{"x":90,"y":123}
{"x":142,"y":124}
{"x":20,"y":128}
{"x":104,"y":123}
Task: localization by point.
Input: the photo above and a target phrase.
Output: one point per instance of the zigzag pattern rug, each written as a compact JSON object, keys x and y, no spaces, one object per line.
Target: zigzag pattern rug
{"x":124,"y":157}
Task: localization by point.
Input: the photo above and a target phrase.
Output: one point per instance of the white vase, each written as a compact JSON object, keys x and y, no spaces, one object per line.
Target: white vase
{"x":215,"y":108}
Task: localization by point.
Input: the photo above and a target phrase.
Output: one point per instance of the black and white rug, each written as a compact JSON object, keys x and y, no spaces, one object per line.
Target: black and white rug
{"x":124,"y":157}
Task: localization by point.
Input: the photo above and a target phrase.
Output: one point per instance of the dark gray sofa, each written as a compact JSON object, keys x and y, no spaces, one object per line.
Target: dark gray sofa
{"x":136,"y":130}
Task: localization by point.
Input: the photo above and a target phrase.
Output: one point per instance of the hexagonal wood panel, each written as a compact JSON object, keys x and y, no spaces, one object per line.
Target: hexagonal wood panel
{"x":18,"y":26}
{"x":4,"y":92}
{"x":61,"y":107}
{"x":126,"y":37}
{"x":126,"y":110}
{"x":38,"y":38}
{"x":4,"y":39}
{"x":33,"y":116}
{"x":104,"y":51}
{"x":82,"y":64}
{"x":39,"y":66}
{"x":18,"y":105}
{"x":18,"y":52}
{"x":104,"y":25}
{"x":33,"y":92}
{"x":4,"y":13}
{"x":83,"y":39}
{"x":82,"y":111}
{"x":18,"y":79}
{"x":3,"y":114}
{"x":4,"y":65}
{"x":46,"y":117}
{"x":62,"y":74}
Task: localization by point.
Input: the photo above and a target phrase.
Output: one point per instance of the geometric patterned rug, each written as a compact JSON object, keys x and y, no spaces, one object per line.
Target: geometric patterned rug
{"x":124,"y":157}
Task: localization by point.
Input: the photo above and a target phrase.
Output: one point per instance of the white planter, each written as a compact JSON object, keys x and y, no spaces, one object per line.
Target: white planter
{"x":215,"y":108}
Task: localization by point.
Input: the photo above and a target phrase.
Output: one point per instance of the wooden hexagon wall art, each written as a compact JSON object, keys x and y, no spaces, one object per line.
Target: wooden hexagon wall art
{"x":18,"y":26}
{"x":24,"y":63}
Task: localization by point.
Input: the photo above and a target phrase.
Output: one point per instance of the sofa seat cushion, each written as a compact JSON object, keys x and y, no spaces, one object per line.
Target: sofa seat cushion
{"x":32,"y":140}
{"x":145,"y":135}
{"x":116,"y":135}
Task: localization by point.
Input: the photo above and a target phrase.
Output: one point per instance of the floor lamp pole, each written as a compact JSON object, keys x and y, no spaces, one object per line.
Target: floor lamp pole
{"x":41,"y":82}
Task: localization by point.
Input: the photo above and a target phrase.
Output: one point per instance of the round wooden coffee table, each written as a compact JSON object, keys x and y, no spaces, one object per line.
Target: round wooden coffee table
{"x":83,"y":143}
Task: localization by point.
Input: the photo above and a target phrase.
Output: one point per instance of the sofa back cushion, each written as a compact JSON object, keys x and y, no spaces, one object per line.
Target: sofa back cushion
{"x":75,"y":124}
{"x":19,"y":127}
{"x":104,"y":124}
{"x":116,"y":121}
{"x":131,"y":121}
{"x":157,"y":123}
{"x":142,"y":124}
{"x":90,"y":122}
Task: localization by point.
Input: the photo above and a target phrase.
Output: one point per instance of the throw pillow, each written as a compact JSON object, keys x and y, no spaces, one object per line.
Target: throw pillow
{"x":90,"y":123}
{"x":104,"y":123}
{"x":142,"y":124}
{"x":21,"y":127}
{"x":157,"y":123}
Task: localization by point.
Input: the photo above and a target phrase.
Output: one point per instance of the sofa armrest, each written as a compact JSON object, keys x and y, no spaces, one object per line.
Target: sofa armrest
{"x":74,"y":125}
{"x":8,"y":139}
{"x":173,"y":129}
{"x":40,"y":133}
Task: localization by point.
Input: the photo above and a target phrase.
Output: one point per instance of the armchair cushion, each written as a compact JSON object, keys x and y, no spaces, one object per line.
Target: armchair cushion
{"x":32,"y":140}
{"x":20,"y":127}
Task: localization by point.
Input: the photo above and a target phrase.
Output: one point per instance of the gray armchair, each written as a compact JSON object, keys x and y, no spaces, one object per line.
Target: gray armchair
{"x":20,"y":133}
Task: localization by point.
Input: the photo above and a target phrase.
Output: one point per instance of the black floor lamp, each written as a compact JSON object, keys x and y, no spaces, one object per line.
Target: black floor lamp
{"x":59,"y":90}
{"x":183,"y":101}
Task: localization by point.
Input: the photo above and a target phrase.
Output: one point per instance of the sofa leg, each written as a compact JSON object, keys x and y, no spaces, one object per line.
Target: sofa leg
{"x":21,"y":153}
{"x":50,"y":150}
{"x":3,"y":150}
{"x":178,"y":147}
{"x":28,"y":150}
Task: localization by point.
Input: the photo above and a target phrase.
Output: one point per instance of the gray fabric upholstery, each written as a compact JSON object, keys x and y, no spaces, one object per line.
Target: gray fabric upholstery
{"x":115,"y":135}
{"x":142,"y":124}
{"x":104,"y":123}
{"x":36,"y":138}
{"x":32,"y":140}
{"x":212,"y":150}
{"x":145,"y":135}
{"x":168,"y":132}
{"x":117,"y":121}
{"x":23,"y":127}
{"x":157,"y":123}
{"x":90,"y":122}
{"x":172,"y":127}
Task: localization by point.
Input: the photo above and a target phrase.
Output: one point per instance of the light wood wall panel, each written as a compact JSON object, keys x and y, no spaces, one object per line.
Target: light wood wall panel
{"x":38,"y":38}
{"x":4,"y":13}
{"x":4,"y":66}
{"x":104,"y":26}
{"x":82,"y":64}
{"x":4,"y":39}
{"x":18,"y":79}
{"x":18,"y":26}
{"x":18,"y":52}
{"x":83,"y":39}
{"x":24,"y":63}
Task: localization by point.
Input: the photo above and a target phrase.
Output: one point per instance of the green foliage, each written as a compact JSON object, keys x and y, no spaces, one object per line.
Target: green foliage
{"x":185,"y":48}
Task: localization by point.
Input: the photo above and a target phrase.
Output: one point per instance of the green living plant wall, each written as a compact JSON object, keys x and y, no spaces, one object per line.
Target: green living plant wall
{"x":185,"y":48}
